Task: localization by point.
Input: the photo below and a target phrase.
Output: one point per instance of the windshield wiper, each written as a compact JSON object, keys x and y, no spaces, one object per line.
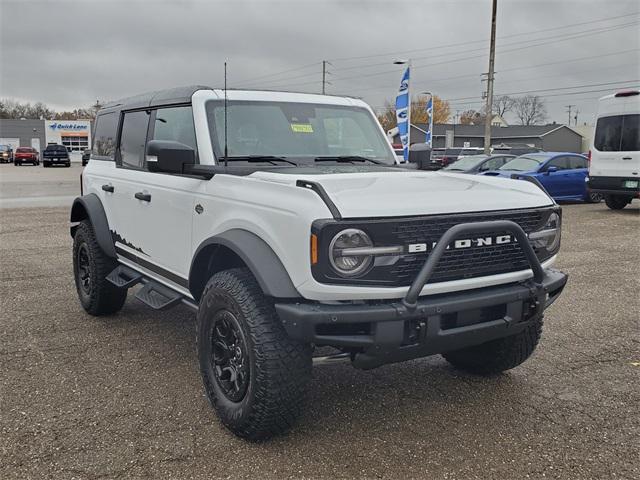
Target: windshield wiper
{"x":348,"y":159}
{"x":257,"y":158}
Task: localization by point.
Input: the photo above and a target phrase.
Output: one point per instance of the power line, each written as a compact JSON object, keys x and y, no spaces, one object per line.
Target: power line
{"x":284,"y":72}
{"x":402,"y":52}
{"x":568,"y":35}
{"x":582,"y":34}
{"x":556,"y":88}
{"x":463,"y":101}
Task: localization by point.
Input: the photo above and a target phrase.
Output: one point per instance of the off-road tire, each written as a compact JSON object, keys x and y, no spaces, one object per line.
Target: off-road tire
{"x":279,"y":367}
{"x":102,"y":297}
{"x":497,"y":355}
{"x":616,"y":202}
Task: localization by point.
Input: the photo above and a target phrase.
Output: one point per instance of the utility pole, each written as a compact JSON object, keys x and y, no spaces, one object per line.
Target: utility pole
{"x":569,"y":107}
{"x":492,"y":58}
{"x":324,"y":76}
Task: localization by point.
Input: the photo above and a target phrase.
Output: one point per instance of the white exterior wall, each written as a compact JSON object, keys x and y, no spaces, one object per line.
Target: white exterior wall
{"x":60,"y":131}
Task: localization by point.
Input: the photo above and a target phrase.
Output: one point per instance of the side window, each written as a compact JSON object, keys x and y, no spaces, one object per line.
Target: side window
{"x":133,"y":139}
{"x":561,"y":163}
{"x":492,"y":164}
{"x":104,"y":136}
{"x":577,"y":162}
{"x":175,"y":124}
{"x":631,"y":133}
{"x":608,"y":134}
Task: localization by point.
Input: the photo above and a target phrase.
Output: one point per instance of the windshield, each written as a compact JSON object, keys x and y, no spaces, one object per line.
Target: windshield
{"x":301,"y":132}
{"x":465,"y":163}
{"x":4,"y":148}
{"x":55,"y":147}
{"x":524,"y":163}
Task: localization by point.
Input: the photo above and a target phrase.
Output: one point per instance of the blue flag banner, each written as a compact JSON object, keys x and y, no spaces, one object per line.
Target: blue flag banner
{"x":427,"y":137}
{"x":402,"y":113}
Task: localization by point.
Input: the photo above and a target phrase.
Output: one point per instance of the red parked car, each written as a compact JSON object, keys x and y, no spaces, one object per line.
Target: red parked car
{"x":26,"y":155}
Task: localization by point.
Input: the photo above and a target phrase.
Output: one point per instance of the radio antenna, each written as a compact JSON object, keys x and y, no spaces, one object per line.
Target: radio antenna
{"x":226,"y":153}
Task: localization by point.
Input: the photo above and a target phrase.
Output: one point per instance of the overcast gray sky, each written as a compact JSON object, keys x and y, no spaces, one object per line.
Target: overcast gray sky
{"x":67,"y":54}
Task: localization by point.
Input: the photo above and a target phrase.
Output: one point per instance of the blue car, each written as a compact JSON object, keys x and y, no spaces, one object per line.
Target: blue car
{"x":561,"y":174}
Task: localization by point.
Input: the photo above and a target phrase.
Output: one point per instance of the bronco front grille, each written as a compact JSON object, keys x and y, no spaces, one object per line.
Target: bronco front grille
{"x":456,"y":264}
{"x":475,"y":261}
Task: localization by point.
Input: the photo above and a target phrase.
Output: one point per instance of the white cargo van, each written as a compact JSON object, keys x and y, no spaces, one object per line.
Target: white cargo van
{"x":614,"y":169}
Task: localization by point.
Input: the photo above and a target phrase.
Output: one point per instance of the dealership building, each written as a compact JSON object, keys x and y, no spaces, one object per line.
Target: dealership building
{"x":75,"y":135}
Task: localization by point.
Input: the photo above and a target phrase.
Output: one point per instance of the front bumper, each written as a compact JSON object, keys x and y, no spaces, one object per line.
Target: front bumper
{"x":385,"y":332}
{"x":388,"y":332}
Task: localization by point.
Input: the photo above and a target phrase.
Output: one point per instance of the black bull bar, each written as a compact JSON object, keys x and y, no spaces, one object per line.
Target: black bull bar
{"x":482,"y":314}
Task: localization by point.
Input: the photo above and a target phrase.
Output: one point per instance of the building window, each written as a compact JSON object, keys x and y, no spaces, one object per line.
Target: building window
{"x":75,"y":143}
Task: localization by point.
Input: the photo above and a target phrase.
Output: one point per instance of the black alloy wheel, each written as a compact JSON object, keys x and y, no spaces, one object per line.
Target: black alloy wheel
{"x":84,"y":269}
{"x":595,"y":197}
{"x":229,"y":355}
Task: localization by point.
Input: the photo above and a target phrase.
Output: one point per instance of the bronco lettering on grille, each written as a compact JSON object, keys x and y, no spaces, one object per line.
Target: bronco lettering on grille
{"x":464,"y":243}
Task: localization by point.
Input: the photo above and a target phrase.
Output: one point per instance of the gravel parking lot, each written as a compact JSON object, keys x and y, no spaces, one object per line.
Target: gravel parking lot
{"x":84,"y":397}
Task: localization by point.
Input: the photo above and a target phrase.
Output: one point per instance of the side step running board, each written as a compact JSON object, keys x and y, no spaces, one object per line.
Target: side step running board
{"x":124,"y":277}
{"x":158,"y":296}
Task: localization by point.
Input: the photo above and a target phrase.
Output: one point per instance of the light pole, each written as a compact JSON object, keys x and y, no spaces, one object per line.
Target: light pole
{"x":430,"y":142}
{"x":407,"y":62}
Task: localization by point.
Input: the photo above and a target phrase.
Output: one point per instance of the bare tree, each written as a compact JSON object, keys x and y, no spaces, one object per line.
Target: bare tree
{"x":16,"y":110}
{"x":503,"y":104}
{"x":472,"y":117}
{"x":441,"y":112}
{"x":530,"y":110}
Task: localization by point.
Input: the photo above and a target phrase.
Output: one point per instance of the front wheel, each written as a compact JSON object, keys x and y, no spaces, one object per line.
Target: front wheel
{"x":497,"y":355}
{"x":593,"y":197}
{"x":90,"y":269}
{"x":616,"y":202}
{"x":254,"y":375}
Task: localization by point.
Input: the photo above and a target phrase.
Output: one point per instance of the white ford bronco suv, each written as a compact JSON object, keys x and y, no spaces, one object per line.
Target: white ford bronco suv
{"x":283,"y":221}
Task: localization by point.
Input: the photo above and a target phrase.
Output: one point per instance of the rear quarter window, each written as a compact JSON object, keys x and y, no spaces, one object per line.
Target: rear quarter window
{"x":104,"y":137}
{"x":617,"y":133}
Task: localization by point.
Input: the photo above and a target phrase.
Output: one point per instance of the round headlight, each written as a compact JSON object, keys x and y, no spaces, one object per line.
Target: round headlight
{"x":549,"y":236}
{"x":553,"y":224}
{"x":345,"y":262}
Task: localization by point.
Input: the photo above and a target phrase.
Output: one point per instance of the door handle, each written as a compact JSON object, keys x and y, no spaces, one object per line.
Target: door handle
{"x":108,"y":188}
{"x":627,"y":158}
{"x":145,"y":197}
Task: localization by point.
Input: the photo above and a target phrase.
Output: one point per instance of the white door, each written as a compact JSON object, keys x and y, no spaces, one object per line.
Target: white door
{"x":35,"y":143}
{"x":154,"y":211}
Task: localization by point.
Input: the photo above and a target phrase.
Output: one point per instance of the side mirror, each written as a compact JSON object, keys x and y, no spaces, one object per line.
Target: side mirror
{"x":551,"y":170}
{"x":165,"y":156}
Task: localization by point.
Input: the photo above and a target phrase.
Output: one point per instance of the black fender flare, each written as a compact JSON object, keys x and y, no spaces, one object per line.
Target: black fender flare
{"x":258,"y":256}
{"x":89,"y":206}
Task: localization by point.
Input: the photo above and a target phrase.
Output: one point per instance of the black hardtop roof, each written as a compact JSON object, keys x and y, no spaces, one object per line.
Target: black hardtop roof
{"x":160,"y":97}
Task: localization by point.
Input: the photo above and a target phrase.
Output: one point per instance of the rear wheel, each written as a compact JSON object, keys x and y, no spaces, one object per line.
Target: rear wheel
{"x":90,"y":268}
{"x":617,"y":202}
{"x":497,"y":355}
{"x":254,"y":374}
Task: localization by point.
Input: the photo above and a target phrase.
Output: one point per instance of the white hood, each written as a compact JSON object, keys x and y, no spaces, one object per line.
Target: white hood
{"x":408,"y":193}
